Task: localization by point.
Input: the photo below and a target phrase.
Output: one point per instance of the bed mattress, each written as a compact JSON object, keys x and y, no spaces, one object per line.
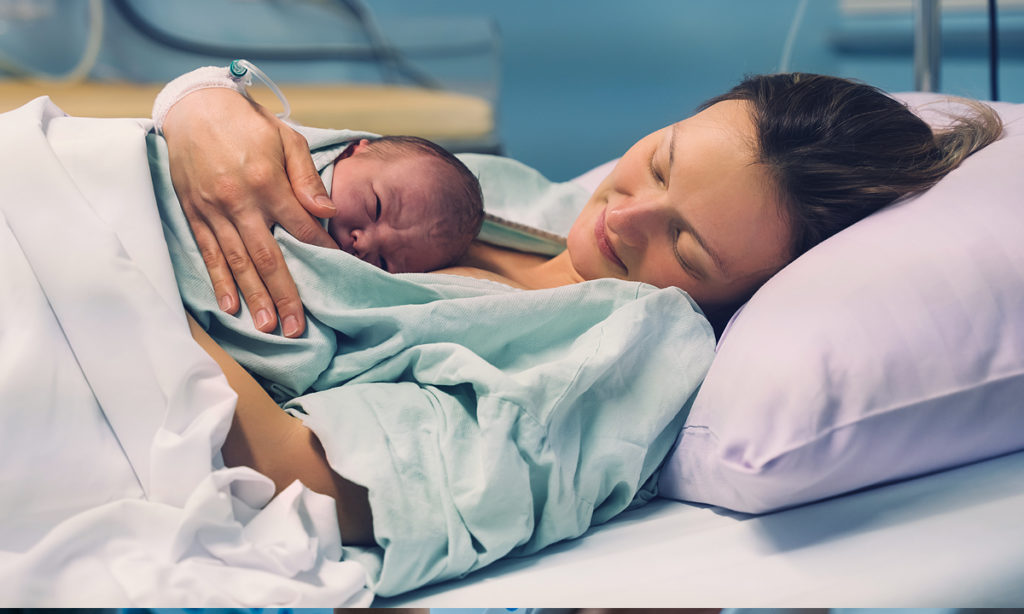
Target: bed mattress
{"x":949,"y":539}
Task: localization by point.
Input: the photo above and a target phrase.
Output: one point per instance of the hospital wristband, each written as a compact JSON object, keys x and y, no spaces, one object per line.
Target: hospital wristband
{"x":198,"y":79}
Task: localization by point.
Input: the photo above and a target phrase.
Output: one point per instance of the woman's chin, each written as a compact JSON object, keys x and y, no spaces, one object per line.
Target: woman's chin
{"x":585,"y":260}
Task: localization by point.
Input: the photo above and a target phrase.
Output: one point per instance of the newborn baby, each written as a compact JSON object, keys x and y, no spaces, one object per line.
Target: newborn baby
{"x":404,"y":204}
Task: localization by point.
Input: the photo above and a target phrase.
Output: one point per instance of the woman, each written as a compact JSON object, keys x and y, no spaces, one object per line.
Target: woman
{"x":817,"y":153}
{"x":714,"y":204}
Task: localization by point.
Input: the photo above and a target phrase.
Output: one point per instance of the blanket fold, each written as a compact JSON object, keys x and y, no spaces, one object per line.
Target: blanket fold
{"x":485,"y":421}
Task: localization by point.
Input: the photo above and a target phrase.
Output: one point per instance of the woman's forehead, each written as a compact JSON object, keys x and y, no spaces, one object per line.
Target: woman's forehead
{"x":727,"y":119}
{"x":724,"y":192}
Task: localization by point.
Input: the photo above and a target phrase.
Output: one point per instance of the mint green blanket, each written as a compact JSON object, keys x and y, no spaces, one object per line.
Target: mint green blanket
{"x":485,"y":421}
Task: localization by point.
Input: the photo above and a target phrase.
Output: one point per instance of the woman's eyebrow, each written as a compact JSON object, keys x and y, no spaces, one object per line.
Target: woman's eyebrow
{"x":710,"y":252}
{"x":672,"y":150}
{"x":693,"y":231}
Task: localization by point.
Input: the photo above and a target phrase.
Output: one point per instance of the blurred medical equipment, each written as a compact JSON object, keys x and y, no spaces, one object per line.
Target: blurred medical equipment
{"x":993,"y":49}
{"x":927,"y":45}
{"x":86,"y":61}
{"x":794,"y":28}
{"x":391,"y":62}
{"x":340,"y":66}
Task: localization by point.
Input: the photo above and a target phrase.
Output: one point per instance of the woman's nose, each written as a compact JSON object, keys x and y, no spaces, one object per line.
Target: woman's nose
{"x":634,"y":218}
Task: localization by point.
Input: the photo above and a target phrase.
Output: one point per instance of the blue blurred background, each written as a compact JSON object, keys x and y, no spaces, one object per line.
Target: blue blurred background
{"x":574,"y":82}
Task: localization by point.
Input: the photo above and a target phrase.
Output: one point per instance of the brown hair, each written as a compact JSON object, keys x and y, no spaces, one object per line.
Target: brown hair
{"x":463,"y":199}
{"x":838,"y":150}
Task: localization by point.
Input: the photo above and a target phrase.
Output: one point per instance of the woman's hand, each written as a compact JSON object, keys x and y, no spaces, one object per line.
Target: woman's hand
{"x":237,"y":170}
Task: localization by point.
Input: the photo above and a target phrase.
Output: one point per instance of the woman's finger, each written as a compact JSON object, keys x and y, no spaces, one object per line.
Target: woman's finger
{"x":300,"y":224}
{"x":307,"y":188}
{"x":244,"y":268}
{"x":271,"y":288}
{"x":220,"y":274}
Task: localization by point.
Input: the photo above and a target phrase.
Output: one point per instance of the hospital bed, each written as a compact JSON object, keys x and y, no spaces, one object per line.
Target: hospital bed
{"x":953,"y":538}
{"x":871,"y":500}
{"x":440,"y":83}
{"x":112,"y":495}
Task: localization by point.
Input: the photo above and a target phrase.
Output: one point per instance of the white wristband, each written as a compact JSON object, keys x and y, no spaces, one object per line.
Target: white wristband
{"x":198,"y":79}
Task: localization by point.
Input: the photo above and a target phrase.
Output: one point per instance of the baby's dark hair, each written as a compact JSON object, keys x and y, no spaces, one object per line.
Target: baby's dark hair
{"x":463,"y":199}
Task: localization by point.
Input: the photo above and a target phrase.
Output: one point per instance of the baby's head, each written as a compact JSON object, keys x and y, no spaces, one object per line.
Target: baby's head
{"x":404,"y":204}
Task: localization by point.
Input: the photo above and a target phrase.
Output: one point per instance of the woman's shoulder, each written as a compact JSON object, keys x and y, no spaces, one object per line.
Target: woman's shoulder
{"x":515,"y":268}
{"x":478,"y":273}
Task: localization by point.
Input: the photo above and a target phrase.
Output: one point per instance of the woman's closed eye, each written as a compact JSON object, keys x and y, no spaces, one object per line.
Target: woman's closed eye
{"x":654,"y":169}
{"x":662,"y":171}
{"x":683,"y":262}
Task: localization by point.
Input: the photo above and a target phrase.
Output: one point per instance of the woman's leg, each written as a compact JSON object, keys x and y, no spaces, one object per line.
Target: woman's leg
{"x":279,"y":446}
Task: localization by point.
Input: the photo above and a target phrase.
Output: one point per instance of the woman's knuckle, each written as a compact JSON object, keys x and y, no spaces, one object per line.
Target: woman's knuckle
{"x":257,"y":298}
{"x":211,"y":256}
{"x":304,"y":232}
{"x":288,"y":304}
{"x":265,"y":260}
{"x":238,"y":260}
{"x":296,"y":139}
{"x":224,"y":189}
{"x":261,"y":175}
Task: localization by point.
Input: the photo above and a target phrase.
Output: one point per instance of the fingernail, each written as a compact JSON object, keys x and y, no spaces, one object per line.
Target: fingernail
{"x":323,"y":201}
{"x":263,"y":319}
{"x":290,"y":326}
{"x":225,"y":303}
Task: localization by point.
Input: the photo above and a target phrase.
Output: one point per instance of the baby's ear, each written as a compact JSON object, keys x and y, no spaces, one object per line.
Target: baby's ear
{"x":360,"y":146}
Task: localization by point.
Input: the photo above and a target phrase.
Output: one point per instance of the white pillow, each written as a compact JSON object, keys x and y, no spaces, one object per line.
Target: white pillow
{"x":893,"y":349}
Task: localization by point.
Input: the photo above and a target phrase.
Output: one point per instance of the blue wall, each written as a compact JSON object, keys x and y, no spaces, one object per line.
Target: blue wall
{"x":580,"y":80}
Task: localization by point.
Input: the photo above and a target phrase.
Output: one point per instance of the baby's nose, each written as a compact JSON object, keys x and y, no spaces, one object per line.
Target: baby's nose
{"x":364,"y":246}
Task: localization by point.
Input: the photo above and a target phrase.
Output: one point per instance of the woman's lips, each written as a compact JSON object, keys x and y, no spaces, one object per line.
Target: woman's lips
{"x":603,"y":244}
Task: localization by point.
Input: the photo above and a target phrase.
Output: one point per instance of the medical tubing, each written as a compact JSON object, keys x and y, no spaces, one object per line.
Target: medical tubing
{"x":794,"y":27}
{"x":388,"y":58}
{"x":85,"y":63}
{"x":351,"y":53}
{"x":239,"y":68}
{"x":378,"y":43}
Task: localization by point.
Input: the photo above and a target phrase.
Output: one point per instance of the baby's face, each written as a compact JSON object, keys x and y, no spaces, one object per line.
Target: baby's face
{"x":389,"y":210}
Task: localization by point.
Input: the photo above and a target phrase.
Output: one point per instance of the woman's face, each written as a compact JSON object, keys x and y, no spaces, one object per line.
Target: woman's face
{"x":687,"y":206}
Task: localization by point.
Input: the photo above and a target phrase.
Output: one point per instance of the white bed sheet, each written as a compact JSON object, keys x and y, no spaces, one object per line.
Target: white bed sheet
{"x":950,"y":539}
{"x":112,"y":492}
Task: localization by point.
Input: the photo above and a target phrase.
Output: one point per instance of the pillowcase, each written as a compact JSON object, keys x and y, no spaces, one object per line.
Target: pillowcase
{"x":893,"y":349}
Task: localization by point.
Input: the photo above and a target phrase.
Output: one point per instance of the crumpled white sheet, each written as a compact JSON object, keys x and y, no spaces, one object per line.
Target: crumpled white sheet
{"x":138,"y":552}
{"x":112,"y":491}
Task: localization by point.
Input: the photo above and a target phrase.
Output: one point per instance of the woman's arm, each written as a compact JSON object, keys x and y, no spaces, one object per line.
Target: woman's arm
{"x":264,"y":437}
{"x":237,"y":170}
